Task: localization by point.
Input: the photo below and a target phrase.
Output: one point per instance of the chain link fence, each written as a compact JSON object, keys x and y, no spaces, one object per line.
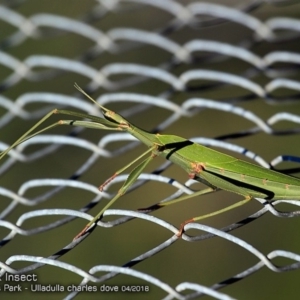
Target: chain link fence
{"x":223,"y":74}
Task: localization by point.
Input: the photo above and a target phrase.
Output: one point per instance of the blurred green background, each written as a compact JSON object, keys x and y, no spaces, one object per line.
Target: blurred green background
{"x":205,"y":262}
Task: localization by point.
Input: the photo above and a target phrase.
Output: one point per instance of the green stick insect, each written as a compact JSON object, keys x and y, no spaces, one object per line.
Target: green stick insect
{"x":216,"y":170}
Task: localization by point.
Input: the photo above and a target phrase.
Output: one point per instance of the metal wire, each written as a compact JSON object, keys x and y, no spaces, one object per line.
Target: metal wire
{"x":227,"y":71}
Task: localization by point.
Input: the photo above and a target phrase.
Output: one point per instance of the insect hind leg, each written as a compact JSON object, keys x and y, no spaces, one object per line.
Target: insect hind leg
{"x":227,"y":208}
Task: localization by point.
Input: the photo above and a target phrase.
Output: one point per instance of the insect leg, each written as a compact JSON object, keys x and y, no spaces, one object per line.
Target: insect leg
{"x":132,"y":177}
{"x":240,"y":203}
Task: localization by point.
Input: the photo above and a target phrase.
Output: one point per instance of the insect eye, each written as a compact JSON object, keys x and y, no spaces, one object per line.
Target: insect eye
{"x":109,"y":118}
